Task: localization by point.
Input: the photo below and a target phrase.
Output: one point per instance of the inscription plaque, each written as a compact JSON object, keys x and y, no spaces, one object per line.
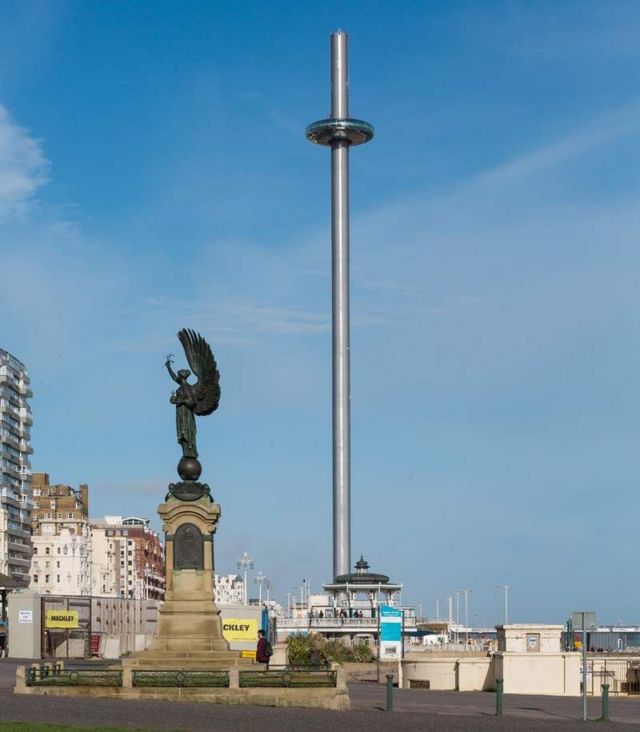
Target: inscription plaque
{"x":188,"y":550}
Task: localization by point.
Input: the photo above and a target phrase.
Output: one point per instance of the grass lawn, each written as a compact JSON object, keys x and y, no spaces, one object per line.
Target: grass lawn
{"x":44,"y":727}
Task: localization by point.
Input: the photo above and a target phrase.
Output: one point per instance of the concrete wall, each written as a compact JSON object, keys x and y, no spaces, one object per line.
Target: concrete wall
{"x":441,"y":673}
{"x":24,"y":624}
{"x":539,"y":673}
{"x":520,"y":638}
{"x":250,"y":612}
{"x":475,"y":674}
{"x":523,"y":673}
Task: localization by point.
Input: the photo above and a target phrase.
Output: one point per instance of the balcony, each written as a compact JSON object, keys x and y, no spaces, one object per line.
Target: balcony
{"x":20,"y":562}
{"x":10,"y":440}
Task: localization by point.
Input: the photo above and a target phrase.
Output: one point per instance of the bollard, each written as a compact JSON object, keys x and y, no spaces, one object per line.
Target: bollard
{"x":499,"y":697}
{"x":389,"y":692}
{"x":605,"y":703}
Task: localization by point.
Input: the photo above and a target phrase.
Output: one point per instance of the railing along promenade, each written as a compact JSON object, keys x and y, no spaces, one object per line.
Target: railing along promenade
{"x":336,"y":623}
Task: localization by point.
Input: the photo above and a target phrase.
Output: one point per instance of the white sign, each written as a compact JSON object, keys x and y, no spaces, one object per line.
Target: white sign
{"x":25,"y":616}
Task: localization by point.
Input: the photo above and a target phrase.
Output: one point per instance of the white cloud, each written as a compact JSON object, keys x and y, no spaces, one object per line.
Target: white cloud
{"x":23,"y":166}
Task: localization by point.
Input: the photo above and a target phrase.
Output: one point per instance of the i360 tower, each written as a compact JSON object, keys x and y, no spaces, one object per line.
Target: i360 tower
{"x":340,"y":132}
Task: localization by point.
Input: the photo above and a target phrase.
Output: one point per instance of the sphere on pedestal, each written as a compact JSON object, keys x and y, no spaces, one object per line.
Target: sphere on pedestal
{"x":189,"y":468}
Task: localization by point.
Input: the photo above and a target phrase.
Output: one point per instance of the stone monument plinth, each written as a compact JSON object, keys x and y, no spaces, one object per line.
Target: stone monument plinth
{"x":189,"y":627}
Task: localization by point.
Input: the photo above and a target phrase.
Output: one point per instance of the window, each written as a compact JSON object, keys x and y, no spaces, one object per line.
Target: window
{"x":57,"y":578}
{"x":69,"y":515}
{"x":35,"y":549}
{"x":47,"y":550}
{"x":533,"y":642}
{"x":46,"y":578}
{"x":58,"y":550}
{"x":58,"y":564}
{"x":35,"y":578}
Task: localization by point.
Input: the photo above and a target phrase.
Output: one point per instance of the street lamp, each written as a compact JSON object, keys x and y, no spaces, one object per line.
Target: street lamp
{"x":259,"y":579}
{"x":466,"y":614}
{"x":506,"y":589}
{"x":244,"y":563}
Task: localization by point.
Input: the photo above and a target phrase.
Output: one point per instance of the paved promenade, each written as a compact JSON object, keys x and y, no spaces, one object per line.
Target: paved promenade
{"x":413,"y":710}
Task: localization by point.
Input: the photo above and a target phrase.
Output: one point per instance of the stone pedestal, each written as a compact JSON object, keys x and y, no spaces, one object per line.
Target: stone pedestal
{"x":189,"y":627}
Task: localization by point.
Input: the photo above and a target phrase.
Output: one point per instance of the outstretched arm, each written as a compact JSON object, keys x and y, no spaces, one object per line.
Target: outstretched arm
{"x":172,"y":373}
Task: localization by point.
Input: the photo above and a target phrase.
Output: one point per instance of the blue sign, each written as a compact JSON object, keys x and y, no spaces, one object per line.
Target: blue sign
{"x":391,"y":631}
{"x":386,"y":611}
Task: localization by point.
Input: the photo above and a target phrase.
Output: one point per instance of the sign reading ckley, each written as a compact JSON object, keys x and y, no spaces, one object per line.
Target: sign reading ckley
{"x":240,"y":629}
{"x":62,"y":619}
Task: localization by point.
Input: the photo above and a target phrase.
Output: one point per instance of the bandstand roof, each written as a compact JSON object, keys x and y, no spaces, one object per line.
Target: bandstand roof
{"x":363,"y":580}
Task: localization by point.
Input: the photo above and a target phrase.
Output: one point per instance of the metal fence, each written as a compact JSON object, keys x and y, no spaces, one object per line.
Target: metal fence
{"x":286,"y":678}
{"x":181,"y":679}
{"x":55,"y":676}
{"x":621,"y":674}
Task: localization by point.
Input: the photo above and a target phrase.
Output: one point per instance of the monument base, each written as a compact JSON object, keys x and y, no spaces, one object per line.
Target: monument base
{"x":189,"y":627}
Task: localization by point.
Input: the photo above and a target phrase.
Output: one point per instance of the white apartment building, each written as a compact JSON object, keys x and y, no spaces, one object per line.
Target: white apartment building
{"x":15,"y":469}
{"x":127,"y":558}
{"x":61,"y":563}
{"x":228,"y":589}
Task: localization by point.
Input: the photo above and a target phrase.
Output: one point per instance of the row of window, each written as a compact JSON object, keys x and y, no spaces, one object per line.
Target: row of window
{"x":65,"y":550}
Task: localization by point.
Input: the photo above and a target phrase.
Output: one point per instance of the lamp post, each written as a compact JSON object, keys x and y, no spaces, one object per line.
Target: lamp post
{"x":244,"y":563}
{"x":466,"y":614}
{"x":506,"y":589}
{"x":340,"y":132}
{"x":258,"y":580}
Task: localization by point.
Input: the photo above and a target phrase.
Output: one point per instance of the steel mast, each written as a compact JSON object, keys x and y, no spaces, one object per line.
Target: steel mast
{"x":340,"y":132}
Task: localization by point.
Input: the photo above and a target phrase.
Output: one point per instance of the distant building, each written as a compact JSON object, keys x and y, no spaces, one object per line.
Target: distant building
{"x":127,"y":559}
{"x":349,"y":608}
{"x":61,"y":563}
{"x":228,"y":589}
{"x":15,"y":469}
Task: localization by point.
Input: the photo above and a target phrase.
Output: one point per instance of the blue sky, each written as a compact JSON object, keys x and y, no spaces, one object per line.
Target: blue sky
{"x":154,"y":174}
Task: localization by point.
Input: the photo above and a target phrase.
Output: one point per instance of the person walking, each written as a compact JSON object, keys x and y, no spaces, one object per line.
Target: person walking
{"x":264,"y":651}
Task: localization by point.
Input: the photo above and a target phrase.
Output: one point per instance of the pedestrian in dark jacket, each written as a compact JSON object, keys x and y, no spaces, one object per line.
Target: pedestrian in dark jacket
{"x":263,"y":650}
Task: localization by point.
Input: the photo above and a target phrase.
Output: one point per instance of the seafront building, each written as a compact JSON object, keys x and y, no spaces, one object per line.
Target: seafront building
{"x":15,"y":469}
{"x":127,"y":558}
{"x":61,"y":563}
{"x":228,"y":589}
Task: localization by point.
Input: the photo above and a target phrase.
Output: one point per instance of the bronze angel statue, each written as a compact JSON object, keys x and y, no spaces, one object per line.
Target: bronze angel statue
{"x":199,"y":399}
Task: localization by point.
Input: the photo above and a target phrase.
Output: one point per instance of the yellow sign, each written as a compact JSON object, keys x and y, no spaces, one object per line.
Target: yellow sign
{"x":240,"y":629}
{"x":62,"y":619}
{"x":248,"y":654}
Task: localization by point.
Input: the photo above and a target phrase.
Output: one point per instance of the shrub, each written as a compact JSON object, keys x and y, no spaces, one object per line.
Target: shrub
{"x":314,"y":650}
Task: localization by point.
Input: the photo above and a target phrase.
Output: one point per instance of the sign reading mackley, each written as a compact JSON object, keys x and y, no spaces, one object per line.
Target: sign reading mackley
{"x":62,"y":619}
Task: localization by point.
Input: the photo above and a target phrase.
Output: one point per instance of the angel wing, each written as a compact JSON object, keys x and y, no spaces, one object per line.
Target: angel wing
{"x":203,"y":365}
